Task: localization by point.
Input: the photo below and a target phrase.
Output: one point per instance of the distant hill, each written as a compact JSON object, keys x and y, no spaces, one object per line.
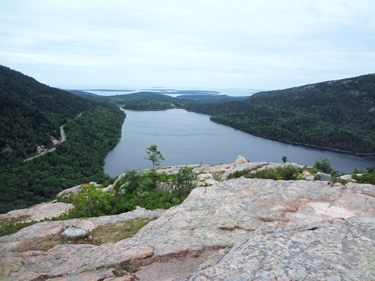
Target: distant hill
{"x":30,"y":112}
{"x":159,"y":101}
{"x":335,"y":114}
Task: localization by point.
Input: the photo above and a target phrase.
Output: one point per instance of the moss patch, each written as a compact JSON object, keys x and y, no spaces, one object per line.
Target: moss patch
{"x":218,"y":175}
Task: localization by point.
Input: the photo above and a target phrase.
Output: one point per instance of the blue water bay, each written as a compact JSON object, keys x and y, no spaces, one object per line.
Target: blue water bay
{"x":189,"y":138}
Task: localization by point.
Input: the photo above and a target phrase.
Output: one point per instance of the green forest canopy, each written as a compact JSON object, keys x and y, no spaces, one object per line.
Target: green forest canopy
{"x":30,"y":114}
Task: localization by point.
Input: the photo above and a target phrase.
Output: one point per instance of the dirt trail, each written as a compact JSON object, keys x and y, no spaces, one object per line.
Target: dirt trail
{"x":63,"y":138}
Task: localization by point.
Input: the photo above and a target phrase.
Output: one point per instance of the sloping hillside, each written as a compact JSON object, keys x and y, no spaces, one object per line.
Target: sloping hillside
{"x":336,"y":114}
{"x":32,"y":112}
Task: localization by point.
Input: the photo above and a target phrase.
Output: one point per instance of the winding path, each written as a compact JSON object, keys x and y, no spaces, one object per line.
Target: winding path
{"x":63,"y":138}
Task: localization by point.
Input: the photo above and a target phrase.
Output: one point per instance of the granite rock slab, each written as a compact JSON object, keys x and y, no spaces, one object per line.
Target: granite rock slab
{"x":212,"y":217}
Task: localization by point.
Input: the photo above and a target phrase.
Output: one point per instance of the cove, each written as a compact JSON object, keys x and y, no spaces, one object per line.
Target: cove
{"x":190,"y":138}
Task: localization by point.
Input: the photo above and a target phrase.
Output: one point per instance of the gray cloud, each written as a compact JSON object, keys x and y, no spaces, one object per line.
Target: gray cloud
{"x":267,"y":44}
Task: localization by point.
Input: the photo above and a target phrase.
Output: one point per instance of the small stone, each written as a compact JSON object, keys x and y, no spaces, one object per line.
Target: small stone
{"x":72,"y":232}
{"x":191,"y":227}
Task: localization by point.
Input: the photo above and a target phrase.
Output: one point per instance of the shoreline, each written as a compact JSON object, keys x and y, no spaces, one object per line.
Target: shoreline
{"x":297,"y":143}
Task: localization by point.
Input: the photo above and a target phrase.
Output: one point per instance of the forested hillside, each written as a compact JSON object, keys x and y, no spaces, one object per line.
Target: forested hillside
{"x":143,"y":101}
{"x":159,"y":101}
{"x":336,"y":114}
{"x":30,"y":113}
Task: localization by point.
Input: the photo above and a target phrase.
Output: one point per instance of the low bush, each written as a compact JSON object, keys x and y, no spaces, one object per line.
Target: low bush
{"x":185,"y":180}
{"x":280,"y":173}
{"x":237,"y":174}
{"x":324,"y":166}
{"x":134,"y":189}
{"x":365,"y":178}
{"x":370,"y":169}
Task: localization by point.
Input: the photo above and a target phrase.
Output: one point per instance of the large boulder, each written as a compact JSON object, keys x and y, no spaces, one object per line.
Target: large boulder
{"x":322,"y":177}
{"x":240,"y":160}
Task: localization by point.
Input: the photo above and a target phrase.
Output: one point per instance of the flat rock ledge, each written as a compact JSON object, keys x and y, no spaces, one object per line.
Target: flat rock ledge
{"x":216,"y":217}
{"x":330,"y":251}
{"x":38,"y":212}
{"x":11,"y":242}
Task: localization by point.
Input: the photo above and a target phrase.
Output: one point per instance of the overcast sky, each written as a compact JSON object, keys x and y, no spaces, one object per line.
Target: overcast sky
{"x":263,"y":44}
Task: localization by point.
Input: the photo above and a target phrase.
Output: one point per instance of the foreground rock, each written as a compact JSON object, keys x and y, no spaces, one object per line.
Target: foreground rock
{"x":48,"y":228}
{"x":211,"y":217}
{"x":334,"y":250}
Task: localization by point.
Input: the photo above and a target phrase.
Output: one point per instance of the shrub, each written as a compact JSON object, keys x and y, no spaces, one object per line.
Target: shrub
{"x":370,"y":169}
{"x":132,"y":181}
{"x":288,"y":172}
{"x":237,"y":174}
{"x":134,"y":189}
{"x":365,"y":178}
{"x":280,"y":173}
{"x":91,"y":201}
{"x":325,"y":167}
{"x":185,"y":180}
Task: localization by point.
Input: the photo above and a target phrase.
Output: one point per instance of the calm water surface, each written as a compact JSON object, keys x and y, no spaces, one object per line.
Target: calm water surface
{"x":190,"y":138}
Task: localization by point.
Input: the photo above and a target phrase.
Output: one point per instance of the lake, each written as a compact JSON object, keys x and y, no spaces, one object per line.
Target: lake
{"x":189,"y":138}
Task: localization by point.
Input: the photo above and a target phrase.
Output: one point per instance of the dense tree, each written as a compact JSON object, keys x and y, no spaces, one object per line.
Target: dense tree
{"x":30,"y":114}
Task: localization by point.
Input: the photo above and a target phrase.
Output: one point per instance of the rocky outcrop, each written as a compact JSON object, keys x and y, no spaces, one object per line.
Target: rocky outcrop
{"x":240,"y":160}
{"x":212,"y":217}
{"x":65,"y":194}
{"x":331,"y":250}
